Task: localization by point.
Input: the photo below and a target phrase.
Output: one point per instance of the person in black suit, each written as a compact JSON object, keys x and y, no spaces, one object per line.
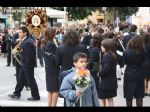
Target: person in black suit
{"x":28,"y":62}
{"x":133,"y":85}
{"x":8,"y":46}
{"x":146,"y":64}
{"x":51,"y":69}
{"x":108,"y":83}
{"x":132,"y":33}
{"x":86,"y":40}
{"x":15,"y":41}
{"x":94,"y":57}
{"x":65,"y":52}
{"x":4,"y":44}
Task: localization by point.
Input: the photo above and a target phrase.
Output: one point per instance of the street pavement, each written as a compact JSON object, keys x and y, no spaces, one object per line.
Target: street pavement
{"x":8,"y":82}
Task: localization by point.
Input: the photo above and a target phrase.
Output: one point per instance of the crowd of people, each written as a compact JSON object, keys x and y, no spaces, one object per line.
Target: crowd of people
{"x":98,"y":48}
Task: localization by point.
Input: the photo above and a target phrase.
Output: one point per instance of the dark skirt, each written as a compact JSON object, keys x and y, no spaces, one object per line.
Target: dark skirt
{"x":52,"y":83}
{"x":133,"y":88}
{"x":105,"y":94}
{"x":146,"y":72}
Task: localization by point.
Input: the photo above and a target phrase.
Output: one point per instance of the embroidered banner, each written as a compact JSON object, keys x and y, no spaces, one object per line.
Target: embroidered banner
{"x":36,"y":20}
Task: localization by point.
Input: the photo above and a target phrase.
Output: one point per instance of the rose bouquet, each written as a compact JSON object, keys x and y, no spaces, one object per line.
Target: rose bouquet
{"x":81,"y":79}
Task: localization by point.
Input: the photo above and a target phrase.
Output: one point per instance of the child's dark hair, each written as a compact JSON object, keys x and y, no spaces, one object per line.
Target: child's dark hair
{"x":79,"y":55}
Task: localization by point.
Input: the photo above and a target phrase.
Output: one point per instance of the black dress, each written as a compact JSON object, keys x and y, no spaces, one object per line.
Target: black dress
{"x":93,"y":58}
{"x":146,"y":64}
{"x":108,"y":83}
{"x":133,"y":77}
{"x":52,"y":71}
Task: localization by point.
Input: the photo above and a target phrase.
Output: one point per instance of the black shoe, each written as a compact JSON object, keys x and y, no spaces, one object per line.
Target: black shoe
{"x":27,"y":89}
{"x":33,"y":98}
{"x":118,"y":78}
{"x":148,"y":94}
{"x":7,"y":65}
{"x":13,"y":96}
{"x":145,"y":94}
{"x":121,"y":73}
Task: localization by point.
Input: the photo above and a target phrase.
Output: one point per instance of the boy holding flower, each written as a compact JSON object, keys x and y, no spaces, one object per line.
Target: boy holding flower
{"x":79,"y":84}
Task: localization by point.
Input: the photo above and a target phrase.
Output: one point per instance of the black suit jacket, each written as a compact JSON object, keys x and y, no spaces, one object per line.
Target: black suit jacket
{"x":86,"y":40}
{"x":14,"y":38}
{"x":134,"y":63}
{"x":108,"y":73}
{"x":126,"y":38}
{"x":94,"y":57}
{"x":28,"y":53}
{"x":64,"y":56}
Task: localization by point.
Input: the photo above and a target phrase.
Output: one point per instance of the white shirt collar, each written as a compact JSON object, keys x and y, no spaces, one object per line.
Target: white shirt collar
{"x":23,"y":38}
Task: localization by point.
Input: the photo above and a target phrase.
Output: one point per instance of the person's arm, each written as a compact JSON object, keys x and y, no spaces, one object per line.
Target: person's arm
{"x":29,"y":52}
{"x":106,"y":66}
{"x":66,"y":90}
{"x":124,"y":57}
{"x":50,"y":51}
{"x":58,"y":57}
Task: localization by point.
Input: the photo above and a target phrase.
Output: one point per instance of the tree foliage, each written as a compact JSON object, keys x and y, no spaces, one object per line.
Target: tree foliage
{"x":123,"y":11}
{"x":77,"y":12}
{"x":83,"y":12}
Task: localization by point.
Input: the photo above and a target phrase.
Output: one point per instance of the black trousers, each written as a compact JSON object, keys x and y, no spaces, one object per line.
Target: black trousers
{"x":9,"y":56}
{"x":41,"y":61}
{"x":27,"y":74}
{"x":17,"y":65}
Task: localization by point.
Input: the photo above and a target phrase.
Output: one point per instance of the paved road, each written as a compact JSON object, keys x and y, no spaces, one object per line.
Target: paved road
{"x":8,"y":82}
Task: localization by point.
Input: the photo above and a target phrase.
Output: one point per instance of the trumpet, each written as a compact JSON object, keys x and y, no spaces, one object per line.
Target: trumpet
{"x":16,"y":52}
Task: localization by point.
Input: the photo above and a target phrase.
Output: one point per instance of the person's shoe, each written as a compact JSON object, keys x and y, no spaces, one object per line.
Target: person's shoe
{"x":33,"y":98}
{"x":118,"y":78}
{"x":121,"y":73}
{"x":13,"y":96}
{"x":7,"y":65}
{"x":145,"y":94}
{"x":27,"y":89}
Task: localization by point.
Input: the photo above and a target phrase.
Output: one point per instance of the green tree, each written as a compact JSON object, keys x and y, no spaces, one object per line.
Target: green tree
{"x":77,"y":12}
{"x":82,"y":12}
{"x":122,"y":11}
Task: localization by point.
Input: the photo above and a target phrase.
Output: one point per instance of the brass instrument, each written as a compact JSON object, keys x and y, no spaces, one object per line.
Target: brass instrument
{"x":16,"y":52}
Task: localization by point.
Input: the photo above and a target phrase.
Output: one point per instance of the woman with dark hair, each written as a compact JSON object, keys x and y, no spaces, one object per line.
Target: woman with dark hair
{"x":133,"y":85}
{"x":108,"y":84}
{"x":52,"y":70}
{"x":65,"y":52}
{"x":146,"y":64}
{"x":94,"y":58}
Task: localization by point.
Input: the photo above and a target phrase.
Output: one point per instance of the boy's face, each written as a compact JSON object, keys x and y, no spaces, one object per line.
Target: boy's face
{"x":81,"y":63}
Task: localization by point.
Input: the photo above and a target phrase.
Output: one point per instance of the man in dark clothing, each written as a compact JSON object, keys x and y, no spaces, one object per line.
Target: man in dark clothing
{"x":132,"y":33}
{"x":28,"y":62}
{"x":8,"y":47}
